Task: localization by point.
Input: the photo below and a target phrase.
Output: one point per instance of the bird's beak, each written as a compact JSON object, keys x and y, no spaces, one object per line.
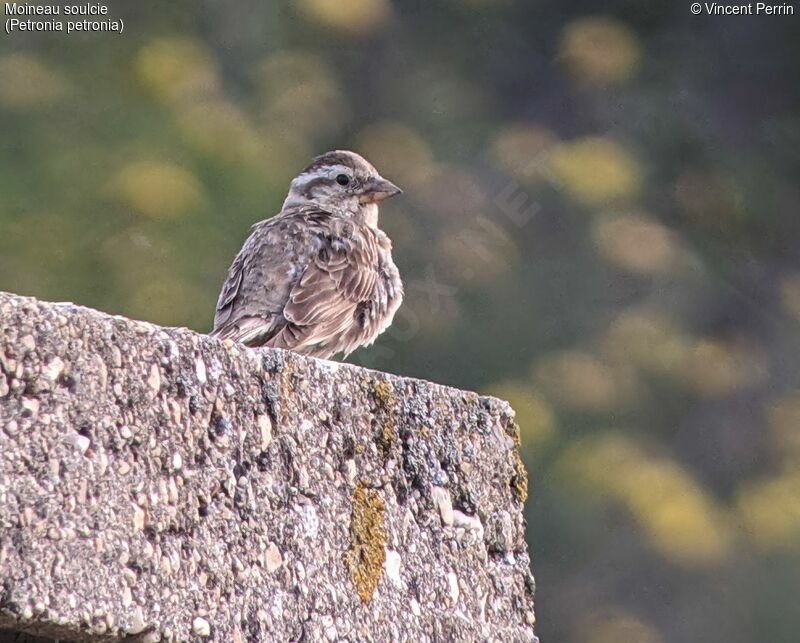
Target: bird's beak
{"x":377,"y":189}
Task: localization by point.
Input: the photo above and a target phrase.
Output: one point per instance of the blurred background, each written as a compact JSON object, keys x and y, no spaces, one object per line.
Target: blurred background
{"x":600,"y":224}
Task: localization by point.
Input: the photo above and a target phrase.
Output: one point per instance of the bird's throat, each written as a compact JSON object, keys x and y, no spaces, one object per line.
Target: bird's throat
{"x":368,"y":214}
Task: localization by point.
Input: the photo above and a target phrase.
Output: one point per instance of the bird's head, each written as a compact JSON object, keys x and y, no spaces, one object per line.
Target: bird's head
{"x":342,"y":183}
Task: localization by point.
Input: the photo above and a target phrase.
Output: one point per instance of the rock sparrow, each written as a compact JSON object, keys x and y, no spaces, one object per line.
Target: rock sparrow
{"x":318,"y":277}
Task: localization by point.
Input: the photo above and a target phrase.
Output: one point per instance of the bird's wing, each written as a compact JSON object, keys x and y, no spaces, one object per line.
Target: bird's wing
{"x":323,"y":304}
{"x":257,"y":286}
{"x":227,"y":296}
{"x":339,"y":276}
{"x":297,"y":283}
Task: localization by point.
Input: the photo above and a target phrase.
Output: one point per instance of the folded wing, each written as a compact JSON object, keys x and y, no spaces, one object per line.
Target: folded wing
{"x":302,"y":281}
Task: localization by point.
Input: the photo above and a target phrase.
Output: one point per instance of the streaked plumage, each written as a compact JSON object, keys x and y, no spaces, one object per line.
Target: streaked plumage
{"x":318,"y":277}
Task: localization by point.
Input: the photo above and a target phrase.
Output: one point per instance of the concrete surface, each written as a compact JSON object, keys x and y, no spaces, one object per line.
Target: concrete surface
{"x":156,"y":484}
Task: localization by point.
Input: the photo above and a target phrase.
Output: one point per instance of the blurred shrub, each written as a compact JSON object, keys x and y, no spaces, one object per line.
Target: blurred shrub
{"x":523,"y":150}
{"x":26,"y":83}
{"x":648,"y":340}
{"x":708,"y":366}
{"x":177,"y":68}
{"x":677,"y":516}
{"x":579,"y":380}
{"x":790,"y":294}
{"x":158,"y":190}
{"x":615,"y":625}
{"x":637,"y":243}
{"x":709,"y":198}
{"x":716,"y":368}
{"x":298,"y":91}
{"x":463,"y":198}
{"x":475,"y":251}
{"x":595,"y":171}
{"x":770,"y":510}
{"x":600,"y":50}
{"x":167,"y":300}
{"x":357,"y":17}
{"x":534,"y":416}
{"x":783,"y":416}
{"x":219,"y":130}
{"x":399,"y":151}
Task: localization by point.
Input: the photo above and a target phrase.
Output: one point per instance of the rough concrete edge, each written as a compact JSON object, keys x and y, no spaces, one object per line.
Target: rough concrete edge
{"x":361,"y":578}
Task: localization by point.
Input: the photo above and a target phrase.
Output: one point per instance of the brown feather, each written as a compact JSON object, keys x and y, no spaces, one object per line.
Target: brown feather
{"x":311,"y":281}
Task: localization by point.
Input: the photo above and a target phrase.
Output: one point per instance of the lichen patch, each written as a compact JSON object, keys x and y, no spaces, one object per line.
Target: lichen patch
{"x":385,"y":401}
{"x":367,"y":552}
{"x":519,"y":481}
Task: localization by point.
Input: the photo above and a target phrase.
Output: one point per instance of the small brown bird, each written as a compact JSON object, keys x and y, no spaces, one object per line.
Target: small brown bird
{"x":318,"y":277}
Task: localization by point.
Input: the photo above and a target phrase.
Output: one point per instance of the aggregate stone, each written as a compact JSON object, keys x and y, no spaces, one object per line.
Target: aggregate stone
{"x":160,"y":485}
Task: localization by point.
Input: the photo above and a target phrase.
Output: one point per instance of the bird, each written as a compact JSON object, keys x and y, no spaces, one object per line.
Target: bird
{"x":317,"y":278}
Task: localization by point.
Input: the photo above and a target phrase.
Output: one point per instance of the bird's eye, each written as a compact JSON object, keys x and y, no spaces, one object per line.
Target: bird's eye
{"x":343,"y":179}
